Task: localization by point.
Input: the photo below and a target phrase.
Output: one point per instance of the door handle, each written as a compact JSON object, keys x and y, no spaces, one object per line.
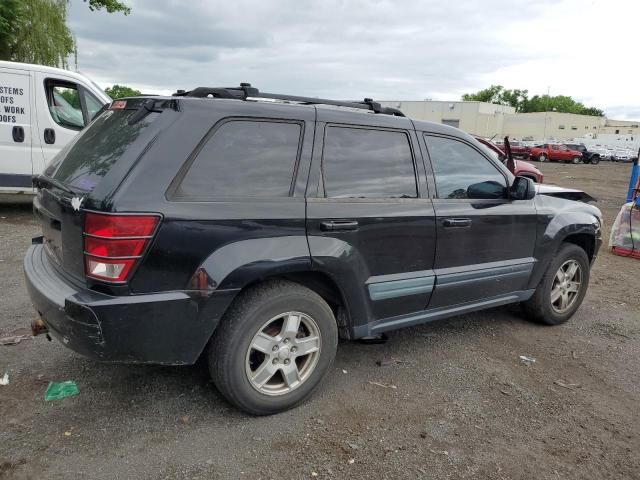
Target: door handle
{"x":18,"y":134}
{"x":335,"y":225}
{"x":456,"y":223}
{"x":49,"y":136}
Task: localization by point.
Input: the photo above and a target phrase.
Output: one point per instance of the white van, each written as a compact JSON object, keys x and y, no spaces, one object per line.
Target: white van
{"x":41,"y":110}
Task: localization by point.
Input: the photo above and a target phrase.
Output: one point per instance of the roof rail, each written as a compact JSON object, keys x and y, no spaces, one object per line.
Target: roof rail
{"x":246,"y":91}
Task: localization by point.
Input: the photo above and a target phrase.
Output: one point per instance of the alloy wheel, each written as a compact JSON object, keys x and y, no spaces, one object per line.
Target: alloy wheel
{"x":566,"y":286}
{"x":283,"y":354}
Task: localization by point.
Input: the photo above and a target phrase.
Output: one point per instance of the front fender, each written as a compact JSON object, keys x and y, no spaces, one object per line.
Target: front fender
{"x":558,"y":220}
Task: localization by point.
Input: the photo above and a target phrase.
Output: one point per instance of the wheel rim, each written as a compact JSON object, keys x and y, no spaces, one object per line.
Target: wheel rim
{"x":566,"y":287}
{"x":542,"y":158}
{"x":283,"y":354}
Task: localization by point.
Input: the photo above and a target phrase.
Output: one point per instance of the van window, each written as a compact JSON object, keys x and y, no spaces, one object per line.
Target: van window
{"x":367,"y":163}
{"x":64,"y":105}
{"x":461,"y":172}
{"x":244,"y":158}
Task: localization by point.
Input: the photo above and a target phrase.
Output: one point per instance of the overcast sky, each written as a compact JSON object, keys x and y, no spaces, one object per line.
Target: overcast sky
{"x":402,"y":50}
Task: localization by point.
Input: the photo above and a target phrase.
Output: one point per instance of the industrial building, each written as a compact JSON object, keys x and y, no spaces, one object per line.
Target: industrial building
{"x":488,"y":120}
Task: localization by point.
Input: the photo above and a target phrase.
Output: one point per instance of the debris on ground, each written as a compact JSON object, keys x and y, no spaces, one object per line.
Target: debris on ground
{"x":391,"y":361}
{"x":528,"y":361}
{"x":60,"y":390}
{"x":383,"y":385}
{"x":344,"y":371}
{"x":14,"y":339}
{"x":569,"y":386}
{"x":351,"y":461}
{"x":4,"y":380}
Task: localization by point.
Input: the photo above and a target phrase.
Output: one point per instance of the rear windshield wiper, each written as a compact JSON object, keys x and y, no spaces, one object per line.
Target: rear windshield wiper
{"x":40,"y":181}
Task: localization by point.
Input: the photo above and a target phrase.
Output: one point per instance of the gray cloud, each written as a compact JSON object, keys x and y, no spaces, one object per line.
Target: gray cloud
{"x":333,"y":48}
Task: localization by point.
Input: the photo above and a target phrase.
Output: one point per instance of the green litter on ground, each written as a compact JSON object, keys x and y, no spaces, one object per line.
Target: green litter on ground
{"x":59,"y":390}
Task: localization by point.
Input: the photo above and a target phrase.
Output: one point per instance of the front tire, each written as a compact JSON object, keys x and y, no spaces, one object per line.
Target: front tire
{"x":595,"y":160}
{"x":542,"y":158}
{"x":562,"y":288}
{"x":273,"y":347}
{"x":575,"y":160}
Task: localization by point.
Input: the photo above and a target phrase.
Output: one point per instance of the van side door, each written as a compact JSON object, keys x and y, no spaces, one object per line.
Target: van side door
{"x":370,"y":222}
{"x":64,"y":107}
{"x":15,"y":130}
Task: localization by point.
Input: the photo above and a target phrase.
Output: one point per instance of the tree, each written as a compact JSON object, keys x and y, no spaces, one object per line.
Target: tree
{"x":120,"y":91}
{"x":42,"y":35}
{"x":519,"y":99}
{"x":110,"y":6}
{"x":36,"y":31}
{"x":499,"y":95}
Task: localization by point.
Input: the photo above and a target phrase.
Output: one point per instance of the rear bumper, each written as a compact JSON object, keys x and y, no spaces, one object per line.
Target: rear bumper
{"x":169,"y":328}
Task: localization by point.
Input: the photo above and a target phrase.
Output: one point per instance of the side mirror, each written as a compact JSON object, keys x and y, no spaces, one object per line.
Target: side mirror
{"x":523,"y":188}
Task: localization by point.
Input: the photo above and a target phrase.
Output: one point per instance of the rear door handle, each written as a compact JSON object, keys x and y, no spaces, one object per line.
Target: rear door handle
{"x":336,"y":225}
{"x":456,"y":223}
{"x":18,"y":134}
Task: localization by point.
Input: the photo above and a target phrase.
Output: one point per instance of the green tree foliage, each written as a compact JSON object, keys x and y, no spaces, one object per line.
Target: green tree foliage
{"x":36,"y":31}
{"x":110,"y":6}
{"x":42,"y":35}
{"x":121,"y":91}
{"x":519,"y":99}
{"x":9,"y":23}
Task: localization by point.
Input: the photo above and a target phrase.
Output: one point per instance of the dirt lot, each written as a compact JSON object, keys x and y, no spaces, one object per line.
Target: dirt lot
{"x":462,"y":404}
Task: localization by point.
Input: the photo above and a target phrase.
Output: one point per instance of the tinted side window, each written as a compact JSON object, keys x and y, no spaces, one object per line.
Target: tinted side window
{"x":462,"y":172}
{"x":362,"y":163}
{"x":244,"y":159}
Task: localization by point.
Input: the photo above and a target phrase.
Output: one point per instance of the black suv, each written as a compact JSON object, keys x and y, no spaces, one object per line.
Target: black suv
{"x":587,"y":156}
{"x":259,"y":228}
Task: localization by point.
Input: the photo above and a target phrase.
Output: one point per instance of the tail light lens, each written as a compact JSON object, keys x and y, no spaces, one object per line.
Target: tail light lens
{"x":113,"y":244}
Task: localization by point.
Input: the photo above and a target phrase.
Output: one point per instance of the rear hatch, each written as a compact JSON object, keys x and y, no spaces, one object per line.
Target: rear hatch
{"x":86,"y":174}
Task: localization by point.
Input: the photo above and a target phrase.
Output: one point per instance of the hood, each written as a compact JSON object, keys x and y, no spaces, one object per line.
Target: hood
{"x":563,"y":192}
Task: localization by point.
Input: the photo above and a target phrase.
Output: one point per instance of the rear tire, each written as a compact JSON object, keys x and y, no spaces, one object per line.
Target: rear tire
{"x":561,"y":290}
{"x":256,"y":356}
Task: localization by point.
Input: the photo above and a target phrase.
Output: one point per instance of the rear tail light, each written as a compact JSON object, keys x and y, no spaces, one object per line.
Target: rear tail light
{"x":113,"y":244}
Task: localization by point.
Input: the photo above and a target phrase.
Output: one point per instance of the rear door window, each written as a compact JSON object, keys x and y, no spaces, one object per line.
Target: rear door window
{"x":367,"y":163}
{"x":243,"y":158}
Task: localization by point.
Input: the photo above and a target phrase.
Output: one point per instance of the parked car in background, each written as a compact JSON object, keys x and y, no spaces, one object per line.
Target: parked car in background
{"x":522,"y":169}
{"x":622,"y":155}
{"x":555,"y":152}
{"x":256,"y":233}
{"x":588,"y":156}
{"x":518,"y":149}
{"x":43,"y":109}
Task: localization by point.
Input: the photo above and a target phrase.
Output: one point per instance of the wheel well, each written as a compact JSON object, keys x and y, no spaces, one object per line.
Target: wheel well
{"x":324,"y":286}
{"x":585,"y":241}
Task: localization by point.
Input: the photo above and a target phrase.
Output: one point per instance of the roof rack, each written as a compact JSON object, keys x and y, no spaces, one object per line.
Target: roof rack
{"x":246,"y":91}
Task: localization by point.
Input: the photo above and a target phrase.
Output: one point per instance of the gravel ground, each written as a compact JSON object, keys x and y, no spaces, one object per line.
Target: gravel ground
{"x":451,"y":399}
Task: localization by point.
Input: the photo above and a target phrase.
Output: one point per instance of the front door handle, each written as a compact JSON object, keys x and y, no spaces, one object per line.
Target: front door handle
{"x":18,"y":134}
{"x":338,"y":225}
{"x":49,"y":136}
{"x":456,"y":223}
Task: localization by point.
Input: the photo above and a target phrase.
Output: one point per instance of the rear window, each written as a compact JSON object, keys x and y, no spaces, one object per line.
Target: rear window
{"x":95,"y":151}
{"x":244,"y":158}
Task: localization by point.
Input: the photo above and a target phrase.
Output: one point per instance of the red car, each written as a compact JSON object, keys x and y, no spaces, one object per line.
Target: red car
{"x":517,"y":149}
{"x":555,"y":152}
{"x":522,"y":169}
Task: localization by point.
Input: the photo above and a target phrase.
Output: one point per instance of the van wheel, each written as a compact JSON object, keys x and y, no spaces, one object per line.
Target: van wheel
{"x":273,"y":347}
{"x":562,"y":288}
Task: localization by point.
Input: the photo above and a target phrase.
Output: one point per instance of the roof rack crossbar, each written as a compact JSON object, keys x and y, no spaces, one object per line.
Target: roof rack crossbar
{"x":246,"y":91}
